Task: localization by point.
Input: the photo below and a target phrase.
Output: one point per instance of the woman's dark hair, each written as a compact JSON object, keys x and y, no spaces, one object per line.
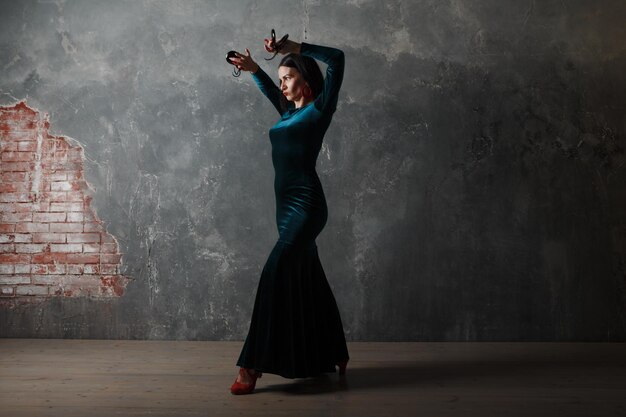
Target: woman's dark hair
{"x":308,"y":68}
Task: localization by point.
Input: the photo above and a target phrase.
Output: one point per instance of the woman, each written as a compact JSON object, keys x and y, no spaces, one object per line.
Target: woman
{"x":296,"y":329}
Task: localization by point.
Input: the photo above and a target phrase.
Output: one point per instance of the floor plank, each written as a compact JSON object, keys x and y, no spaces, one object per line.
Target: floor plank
{"x":59,"y":377}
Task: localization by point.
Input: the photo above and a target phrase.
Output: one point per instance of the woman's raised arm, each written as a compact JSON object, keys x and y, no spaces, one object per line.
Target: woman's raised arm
{"x":263,"y":81}
{"x":335,"y":59}
{"x":271,"y":91}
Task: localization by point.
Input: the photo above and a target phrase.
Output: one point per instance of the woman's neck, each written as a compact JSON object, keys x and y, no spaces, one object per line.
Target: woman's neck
{"x":301,"y":103}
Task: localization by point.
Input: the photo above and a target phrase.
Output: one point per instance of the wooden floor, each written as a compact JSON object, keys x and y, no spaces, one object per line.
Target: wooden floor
{"x":43,"y":377}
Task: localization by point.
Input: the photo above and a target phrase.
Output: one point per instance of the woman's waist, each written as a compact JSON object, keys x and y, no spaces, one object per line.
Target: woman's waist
{"x":308,"y":189}
{"x":298,"y":187}
{"x":300,"y":199}
{"x":299,"y":177}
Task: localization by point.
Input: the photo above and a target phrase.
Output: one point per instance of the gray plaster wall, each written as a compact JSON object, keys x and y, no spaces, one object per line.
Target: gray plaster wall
{"x":474,"y":169}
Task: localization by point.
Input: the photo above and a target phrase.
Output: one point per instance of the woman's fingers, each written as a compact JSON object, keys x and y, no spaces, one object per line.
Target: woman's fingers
{"x":242,"y":62}
{"x":269,"y":45}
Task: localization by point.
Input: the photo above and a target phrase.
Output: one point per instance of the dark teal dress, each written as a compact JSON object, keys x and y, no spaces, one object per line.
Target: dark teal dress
{"x":296,"y":329}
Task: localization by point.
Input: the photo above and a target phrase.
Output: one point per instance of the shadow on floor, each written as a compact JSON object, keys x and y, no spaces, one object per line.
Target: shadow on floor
{"x":525,"y":369}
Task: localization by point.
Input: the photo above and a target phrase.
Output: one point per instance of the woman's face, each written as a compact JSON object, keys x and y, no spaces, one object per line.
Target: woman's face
{"x":291,"y":83}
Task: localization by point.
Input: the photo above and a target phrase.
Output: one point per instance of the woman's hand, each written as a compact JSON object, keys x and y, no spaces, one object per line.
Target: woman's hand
{"x":245,"y":62}
{"x":288,"y":47}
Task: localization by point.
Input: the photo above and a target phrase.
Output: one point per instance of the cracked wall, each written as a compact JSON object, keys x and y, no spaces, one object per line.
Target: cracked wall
{"x":474,"y":169}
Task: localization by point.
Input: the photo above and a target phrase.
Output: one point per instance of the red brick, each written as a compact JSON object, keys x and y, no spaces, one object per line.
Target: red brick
{"x":7,"y":227}
{"x":39,"y":268}
{"x":22,"y":238}
{"x":31,"y":227}
{"x":65,"y":207}
{"x":91,"y":248}
{"x":7,"y":269}
{"x":48,"y":237}
{"x":41,"y":206}
{"x":66,"y":227}
{"x":55,"y":196}
{"x":22,"y":269}
{"x":14,"y":258}
{"x":15,"y":217}
{"x":17,"y":156}
{"x":49,"y":258}
{"x":92,"y":227}
{"x":7,"y":291}
{"x":76,"y":269}
{"x":14,"y":197}
{"x":108,"y":269}
{"x":83,"y":237}
{"x":14,"y":176}
{"x":29,"y":247}
{"x":60,"y":291}
{"x":62,"y":186}
{"x":110,"y":258}
{"x":114,"y":284}
{"x":16,"y":136}
{"x":49,"y":217}
{"x":7,"y":248}
{"x":64,"y":279}
{"x":19,"y":123}
{"x":82,"y":259}
{"x":57,"y":176}
{"x":27,"y":146}
{"x":31,"y":290}
{"x":17,"y":187}
{"x":17,"y":166}
{"x":109,"y":247}
{"x":7,"y":188}
{"x":75,"y":217}
{"x":74,"y":196}
{"x":8,"y":146}
{"x":56,"y":166}
{"x":57,"y":142}
{"x":75,"y":175}
{"x":14,"y":279}
{"x":66,"y":247}
{"x":84,"y":281}
{"x":92,"y":269}
{"x":76,"y":151}
{"x":56,"y":269}
{"x":7,"y":207}
{"x":46,"y":279}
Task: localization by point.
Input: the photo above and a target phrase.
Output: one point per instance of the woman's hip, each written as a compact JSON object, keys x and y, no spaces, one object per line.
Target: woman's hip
{"x":299,"y":225}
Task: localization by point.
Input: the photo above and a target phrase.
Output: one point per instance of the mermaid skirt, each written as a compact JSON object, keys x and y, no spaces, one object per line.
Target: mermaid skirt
{"x":296,"y":329}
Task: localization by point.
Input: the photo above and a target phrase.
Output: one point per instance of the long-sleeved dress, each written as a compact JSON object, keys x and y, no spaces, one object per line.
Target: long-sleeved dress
{"x":296,"y":328}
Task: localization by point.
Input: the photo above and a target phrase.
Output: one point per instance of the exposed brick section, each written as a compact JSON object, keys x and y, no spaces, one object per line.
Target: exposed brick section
{"x":51,"y":241}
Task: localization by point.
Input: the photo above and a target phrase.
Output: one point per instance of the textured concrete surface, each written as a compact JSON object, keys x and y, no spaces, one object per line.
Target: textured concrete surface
{"x":474,"y":170}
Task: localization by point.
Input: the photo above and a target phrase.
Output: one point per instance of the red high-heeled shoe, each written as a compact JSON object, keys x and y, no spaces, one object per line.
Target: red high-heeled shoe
{"x":342,"y":367}
{"x":241,"y":388}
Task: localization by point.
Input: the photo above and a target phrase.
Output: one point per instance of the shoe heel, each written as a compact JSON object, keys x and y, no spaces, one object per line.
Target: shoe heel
{"x":342,"y":367}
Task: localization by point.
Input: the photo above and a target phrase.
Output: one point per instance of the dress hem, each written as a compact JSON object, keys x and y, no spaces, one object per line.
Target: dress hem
{"x":275,"y":372}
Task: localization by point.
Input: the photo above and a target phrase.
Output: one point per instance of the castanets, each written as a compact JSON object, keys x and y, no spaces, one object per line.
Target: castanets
{"x":277,"y":46}
{"x":236,"y":70}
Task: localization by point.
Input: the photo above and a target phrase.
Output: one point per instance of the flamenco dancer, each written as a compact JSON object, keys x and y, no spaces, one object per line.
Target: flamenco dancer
{"x":296,"y":329}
